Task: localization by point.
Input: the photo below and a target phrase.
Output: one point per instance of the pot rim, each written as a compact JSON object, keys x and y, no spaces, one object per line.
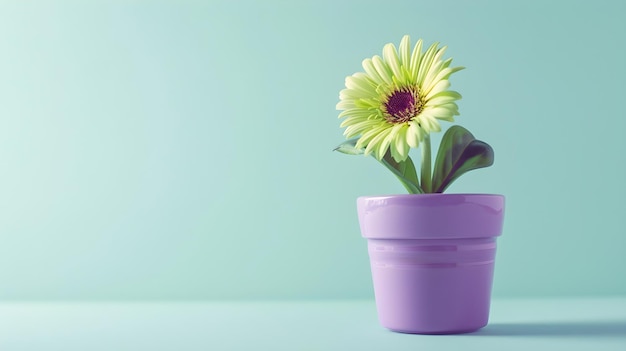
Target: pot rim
{"x":431,"y":216}
{"x":431,"y":194}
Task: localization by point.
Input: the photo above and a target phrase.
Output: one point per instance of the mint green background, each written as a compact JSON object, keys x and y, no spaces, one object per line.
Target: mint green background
{"x":179,"y":149}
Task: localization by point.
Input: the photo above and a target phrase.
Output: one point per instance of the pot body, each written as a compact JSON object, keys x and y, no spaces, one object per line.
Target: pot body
{"x":432,"y":259}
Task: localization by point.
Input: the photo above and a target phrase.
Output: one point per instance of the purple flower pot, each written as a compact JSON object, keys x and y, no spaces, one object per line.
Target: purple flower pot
{"x":432,"y":259}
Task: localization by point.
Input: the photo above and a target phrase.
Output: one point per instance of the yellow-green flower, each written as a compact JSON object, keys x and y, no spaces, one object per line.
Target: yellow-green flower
{"x":397,"y":102}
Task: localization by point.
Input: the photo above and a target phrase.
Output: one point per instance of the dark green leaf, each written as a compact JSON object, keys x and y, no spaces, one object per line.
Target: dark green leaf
{"x":459,"y":152}
{"x":404,"y":171}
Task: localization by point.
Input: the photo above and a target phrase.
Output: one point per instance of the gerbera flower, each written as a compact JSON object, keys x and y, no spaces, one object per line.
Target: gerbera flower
{"x":399,"y":99}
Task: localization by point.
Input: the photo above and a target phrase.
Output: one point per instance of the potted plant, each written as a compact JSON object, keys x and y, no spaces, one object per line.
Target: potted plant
{"x":432,"y":254}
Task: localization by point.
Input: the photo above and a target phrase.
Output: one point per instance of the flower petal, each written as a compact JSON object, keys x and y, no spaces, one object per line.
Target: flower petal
{"x":352,"y":120}
{"x":391,"y":57}
{"x":383,"y":70}
{"x":405,"y":51}
{"x":350,"y":94}
{"x":370,"y":134}
{"x":369,"y":68}
{"x":450,"y":93}
{"x":414,"y":134}
{"x":426,"y":62}
{"x":415,"y":60}
{"x":432,"y":77}
{"x":345,"y":105}
{"x":436,"y":89}
{"x":367,"y":103}
{"x":389,"y":140}
{"x":440,"y":100}
{"x":360,"y":84}
{"x":358,"y":128}
{"x":429,"y":123}
{"x":401,"y":144}
{"x":374,"y":146}
{"x":354,"y":112}
{"x":438,"y":112}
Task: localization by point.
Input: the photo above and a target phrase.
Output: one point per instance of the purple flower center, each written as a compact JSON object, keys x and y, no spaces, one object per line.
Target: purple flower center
{"x":402,"y":105}
{"x":400,"y":102}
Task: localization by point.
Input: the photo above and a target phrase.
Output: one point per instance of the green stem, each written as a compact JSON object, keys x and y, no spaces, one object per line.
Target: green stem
{"x":426,"y":165}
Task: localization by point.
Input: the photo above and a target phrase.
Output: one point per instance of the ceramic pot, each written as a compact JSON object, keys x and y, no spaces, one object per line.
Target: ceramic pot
{"x":432,"y":259}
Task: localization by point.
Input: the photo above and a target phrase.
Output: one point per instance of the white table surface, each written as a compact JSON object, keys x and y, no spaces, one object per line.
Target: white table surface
{"x":515,"y":324}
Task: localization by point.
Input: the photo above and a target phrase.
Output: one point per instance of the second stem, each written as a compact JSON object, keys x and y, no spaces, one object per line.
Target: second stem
{"x":426,"y":175}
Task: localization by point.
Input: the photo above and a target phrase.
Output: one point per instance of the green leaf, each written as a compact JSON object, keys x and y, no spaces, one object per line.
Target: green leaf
{"x":349,"y":147}
{"x":404,"y":171}
{"x":459,"y":152}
